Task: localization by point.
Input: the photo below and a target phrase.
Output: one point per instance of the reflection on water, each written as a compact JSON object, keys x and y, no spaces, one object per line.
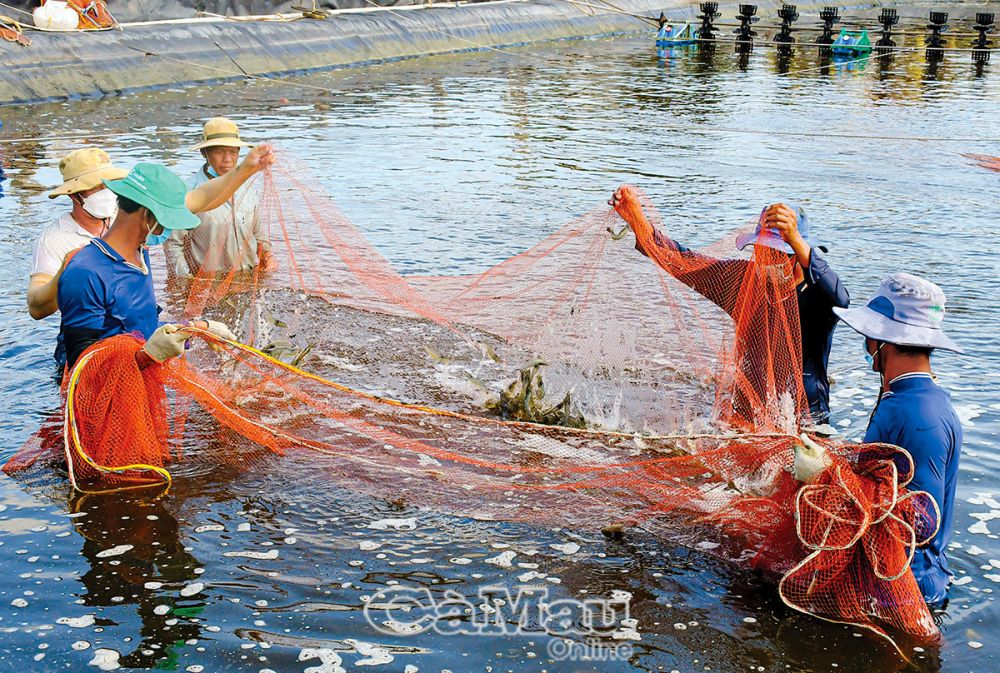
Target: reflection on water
{"x":128,"y":539}
{"x":449,"y":165}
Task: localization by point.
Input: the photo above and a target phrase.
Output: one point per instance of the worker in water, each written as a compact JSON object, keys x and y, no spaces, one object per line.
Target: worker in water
{"x":107,"y":288}
{"x":227,"y":238}
{"x":902,"y":328}
{"x":783,"y":233}
{"x":94,"y":208}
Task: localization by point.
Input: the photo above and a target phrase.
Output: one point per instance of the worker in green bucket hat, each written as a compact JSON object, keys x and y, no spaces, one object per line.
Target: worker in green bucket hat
{"x":107,"y":288}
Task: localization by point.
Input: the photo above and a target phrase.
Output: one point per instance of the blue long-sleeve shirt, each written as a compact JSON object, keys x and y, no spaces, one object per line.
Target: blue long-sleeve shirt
{"x":818,"y":293}
{"x":917,"y":415}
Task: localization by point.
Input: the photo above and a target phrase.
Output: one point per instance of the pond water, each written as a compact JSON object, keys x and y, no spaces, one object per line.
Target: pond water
{"x":449,"y":165}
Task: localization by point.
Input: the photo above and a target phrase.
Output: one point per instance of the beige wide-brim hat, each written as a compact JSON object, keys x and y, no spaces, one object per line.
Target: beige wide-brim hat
{"x":85,"y":169}
{"x":220,"y":132}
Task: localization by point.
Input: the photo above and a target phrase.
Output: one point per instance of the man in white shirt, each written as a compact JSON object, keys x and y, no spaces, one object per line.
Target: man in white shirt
{"x":230,"y":237}
{"x":94,"y":207}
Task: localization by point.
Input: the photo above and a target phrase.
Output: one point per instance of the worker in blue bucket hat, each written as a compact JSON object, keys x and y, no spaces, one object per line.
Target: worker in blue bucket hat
{"x":783,"y":227}
{"x":902,"y":326}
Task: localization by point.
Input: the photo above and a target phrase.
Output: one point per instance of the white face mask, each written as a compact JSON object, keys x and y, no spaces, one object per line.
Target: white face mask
{"x":102,"y":204}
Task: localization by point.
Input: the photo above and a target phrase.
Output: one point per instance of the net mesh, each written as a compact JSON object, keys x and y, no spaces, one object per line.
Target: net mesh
{"x":577,"y":383}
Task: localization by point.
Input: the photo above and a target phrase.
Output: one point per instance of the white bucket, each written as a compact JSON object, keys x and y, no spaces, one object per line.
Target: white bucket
{"x":55,"y":15}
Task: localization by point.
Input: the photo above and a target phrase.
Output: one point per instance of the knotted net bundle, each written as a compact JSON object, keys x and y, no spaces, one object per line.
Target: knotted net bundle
{"x":578,"y":383}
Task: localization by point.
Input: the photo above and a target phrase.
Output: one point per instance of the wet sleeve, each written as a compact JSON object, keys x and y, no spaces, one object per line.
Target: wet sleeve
{"x":827,"y":280}
{"x":718,"y":280}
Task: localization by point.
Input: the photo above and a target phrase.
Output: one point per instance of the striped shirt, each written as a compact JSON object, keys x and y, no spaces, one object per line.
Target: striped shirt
{"x":56,"y":242}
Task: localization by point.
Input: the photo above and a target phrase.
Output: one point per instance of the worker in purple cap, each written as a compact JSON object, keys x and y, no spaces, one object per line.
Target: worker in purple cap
{"x":784,"y":228}
{"x":902,"y":327}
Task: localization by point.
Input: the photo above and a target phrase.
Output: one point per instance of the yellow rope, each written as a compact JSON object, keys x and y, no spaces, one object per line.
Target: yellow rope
{"x":74,"y":434}
{"x":457,"y":414}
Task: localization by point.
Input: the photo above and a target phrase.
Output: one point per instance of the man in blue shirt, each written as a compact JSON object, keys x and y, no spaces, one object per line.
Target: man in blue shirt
{"x":818,"y":290}
{"x":107,"y":288}
{"x":902,"y":327}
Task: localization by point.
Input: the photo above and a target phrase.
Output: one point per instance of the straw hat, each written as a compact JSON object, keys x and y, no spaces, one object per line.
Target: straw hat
{"x":84,"y":169}
{"x":220,"y":132}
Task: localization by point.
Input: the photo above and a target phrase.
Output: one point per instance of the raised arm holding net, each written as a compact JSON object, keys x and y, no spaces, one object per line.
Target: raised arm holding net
{"x":690,"y":406}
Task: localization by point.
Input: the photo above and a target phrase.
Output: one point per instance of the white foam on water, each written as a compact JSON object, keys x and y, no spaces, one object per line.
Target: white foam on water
{"x":105,"y":659}
{"x":374,"y":655}
{"x":569,"y":548}
{"x":330,"y":661}
{"x":530,"y":575}
{"x":192,"y":589}
{"x":460,"y":561}
{"x":19,"y":603}
{"x":503,"y":560}
{"x":403,"y":628}
{"x":967,"y":412}
{"x":556,"y":449}
{"x":975,"y":550}
{"x":77,"y":622}
{"x":627,"y":631}
{"x":114,"y":551}
{"x":195,"y":668}
{"x":975,"y":644}
{"x":243,"y":527}
{"x":621,"y":595}
{"x":258,"y":555}
{"x":993,"y":578}
{"x":161,"y":609}
{"x":153,"y":586}
{"x":368,"y":545}
{"x":961,"y":580}
{"x":209,"y":526}
{"x":395,"y":524}
{"x":979,"y":528}
{"x":750,"y":620}
{"x":410,"y":668}
{"x":80,"y":645}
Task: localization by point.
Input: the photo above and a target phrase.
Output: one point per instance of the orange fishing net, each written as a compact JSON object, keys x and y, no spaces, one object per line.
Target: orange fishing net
{"x":577,"y":383}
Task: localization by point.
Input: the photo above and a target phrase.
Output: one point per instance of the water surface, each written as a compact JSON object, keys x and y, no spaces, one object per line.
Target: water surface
{"x":451,"y":164}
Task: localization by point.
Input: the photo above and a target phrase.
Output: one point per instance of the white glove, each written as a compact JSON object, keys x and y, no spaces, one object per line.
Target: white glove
{"x":166,"y":342}
{"x":218,"y":329}
{"x":811,"y":460}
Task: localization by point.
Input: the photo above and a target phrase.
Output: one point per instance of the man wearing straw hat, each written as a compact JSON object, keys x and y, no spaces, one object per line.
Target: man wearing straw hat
{"x":902,"y":327}
{"x":84,"y":173}
{"x":230,"y":237}
{"x":93,"y":209}
{"x":107,"y":288}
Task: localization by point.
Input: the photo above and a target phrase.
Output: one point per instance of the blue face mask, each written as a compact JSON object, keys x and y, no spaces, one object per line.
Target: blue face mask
{"x":156,"y":239}
{"x":869,"y":358}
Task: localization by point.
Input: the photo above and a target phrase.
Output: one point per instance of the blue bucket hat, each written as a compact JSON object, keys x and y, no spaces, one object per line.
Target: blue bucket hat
{"x":906,"y":310}
{"x":771,"y":238}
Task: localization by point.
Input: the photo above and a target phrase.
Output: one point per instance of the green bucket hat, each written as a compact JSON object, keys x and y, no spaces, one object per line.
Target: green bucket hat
{"x":159,"y":190}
